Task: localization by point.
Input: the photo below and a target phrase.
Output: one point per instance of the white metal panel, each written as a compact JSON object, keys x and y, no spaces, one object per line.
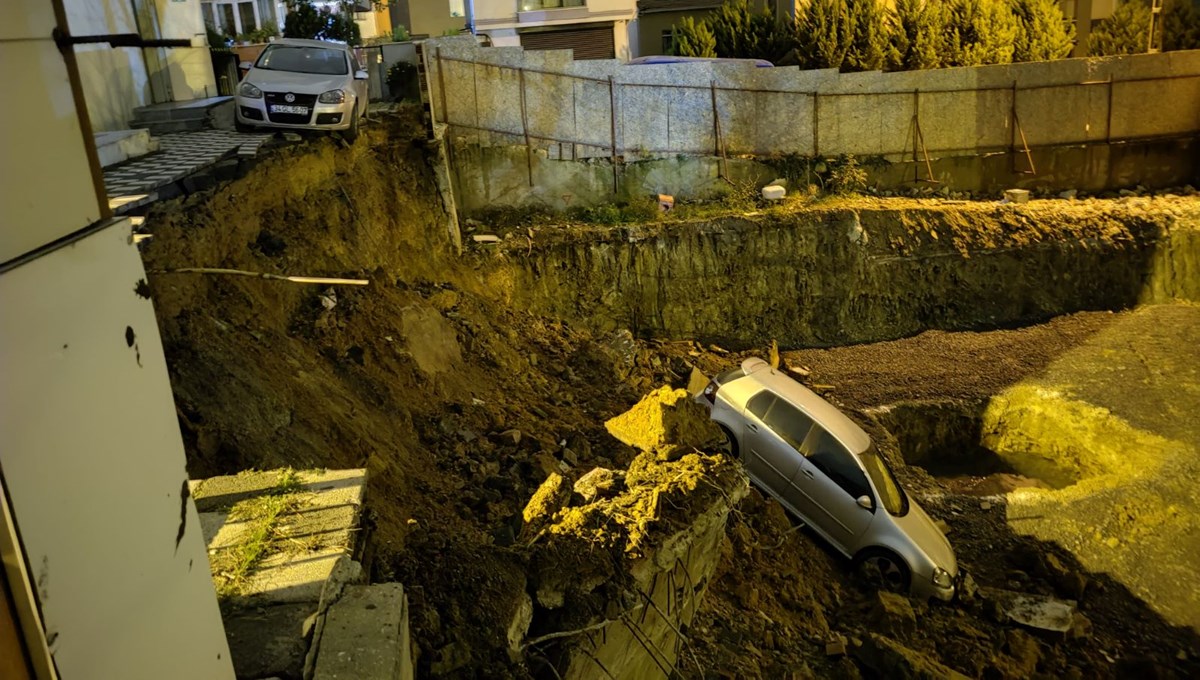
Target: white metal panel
{"x":94,"y":466}
{"x":46,"y":189}
{"x":25,"y":19}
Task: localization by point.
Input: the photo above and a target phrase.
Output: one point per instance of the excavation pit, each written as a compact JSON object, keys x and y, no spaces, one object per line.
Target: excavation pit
{"x":945,"y":439}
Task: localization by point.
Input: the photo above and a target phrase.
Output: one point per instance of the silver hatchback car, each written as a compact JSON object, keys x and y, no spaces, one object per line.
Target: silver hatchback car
{"x":307,"y":84}
{"x":817,"y":463}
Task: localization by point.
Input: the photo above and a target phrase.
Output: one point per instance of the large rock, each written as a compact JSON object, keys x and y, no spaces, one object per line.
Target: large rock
{"x":666,"y":423}
{"x":894,"y":614}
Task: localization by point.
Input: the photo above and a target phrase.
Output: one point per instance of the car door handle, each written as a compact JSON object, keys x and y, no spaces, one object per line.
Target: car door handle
{"x":752,"y":427}
{"x":807,"y":472}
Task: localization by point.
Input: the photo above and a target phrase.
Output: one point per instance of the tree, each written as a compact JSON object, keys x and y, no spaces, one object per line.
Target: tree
{"x":920,"y":35}
{"x":304,"y":20}
{"x":869,"y":41}
{"x":1044,"y":32}
{"x":693,"y":38}
{"x":742,"y":32}
{"x":1181,"y":26}
{"x":1125,"y":32}
{"x":987,"y":31}
{"x":824,"y":33}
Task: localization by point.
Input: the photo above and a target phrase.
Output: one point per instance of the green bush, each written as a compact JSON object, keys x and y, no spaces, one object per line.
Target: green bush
{"x":743,"y":32}
{"x":823,"y":34}
{"x":846,"y":176}
{"x":264,"y":34}
{"x":693,"y":38}
{"x":402,"y":81}
{"x":920,"y":35}
{"x":1181,"y":26}
{"x":987,"y":32}
{"x":869,"y":38}
{"x":1045,"y":32}
{"x":1125,"y":32}
{"x":400,"y":34}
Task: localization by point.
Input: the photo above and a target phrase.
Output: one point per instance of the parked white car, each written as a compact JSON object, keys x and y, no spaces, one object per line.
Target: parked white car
{"x":305,"y":84}
{"x":819,"y":464}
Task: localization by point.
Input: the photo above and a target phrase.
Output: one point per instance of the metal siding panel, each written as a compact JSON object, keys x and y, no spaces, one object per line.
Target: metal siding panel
{"x":94,"y":466}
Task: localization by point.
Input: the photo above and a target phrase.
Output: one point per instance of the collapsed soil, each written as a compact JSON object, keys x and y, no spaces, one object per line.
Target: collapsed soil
{"x":423,"y":378}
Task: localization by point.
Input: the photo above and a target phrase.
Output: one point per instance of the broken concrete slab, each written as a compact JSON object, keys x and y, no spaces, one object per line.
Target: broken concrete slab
{"x":366,"y":635}
{"x":1033,"y":611}
{"x":599,"y":482}
{"x":894,"y":614}
{"x":266,"y":641}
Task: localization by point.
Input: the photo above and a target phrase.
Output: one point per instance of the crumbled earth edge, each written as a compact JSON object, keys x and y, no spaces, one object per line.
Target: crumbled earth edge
{"x":424,"y":382}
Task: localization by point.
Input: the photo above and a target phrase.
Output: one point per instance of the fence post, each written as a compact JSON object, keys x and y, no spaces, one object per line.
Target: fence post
{"x":612,"y":107}
{"x":525,"y":128}
{"x":1108,"y":124}
{"x":442,"y":86}
{"x":816,"y":123}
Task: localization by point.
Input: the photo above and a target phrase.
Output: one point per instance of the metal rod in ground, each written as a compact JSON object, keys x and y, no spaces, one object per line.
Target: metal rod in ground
{"x":525,"y":129}
{"x":263,"y":275}
{"x":612,"y":106}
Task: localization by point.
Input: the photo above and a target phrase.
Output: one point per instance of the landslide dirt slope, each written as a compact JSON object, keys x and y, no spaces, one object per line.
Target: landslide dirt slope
{"x":425,"y":383}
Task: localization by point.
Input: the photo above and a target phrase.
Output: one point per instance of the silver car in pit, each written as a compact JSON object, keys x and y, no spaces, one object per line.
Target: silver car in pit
{"x":306,"y":84}
{"x":817,"y":463}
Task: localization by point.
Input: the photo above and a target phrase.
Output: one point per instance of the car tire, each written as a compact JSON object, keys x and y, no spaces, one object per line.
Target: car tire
{"x":884,"y":569}
{"x":242,"y":127}
{"x":729,"y":446}
{"x":351,"y":133}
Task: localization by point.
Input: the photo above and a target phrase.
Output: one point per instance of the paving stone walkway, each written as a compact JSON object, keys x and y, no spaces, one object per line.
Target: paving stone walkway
{"x":181,"y":154}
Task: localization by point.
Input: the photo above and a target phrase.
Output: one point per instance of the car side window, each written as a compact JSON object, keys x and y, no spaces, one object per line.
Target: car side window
{"x":760,"y":403}
{"x":788,"y":422}
{"x":838,"y":464}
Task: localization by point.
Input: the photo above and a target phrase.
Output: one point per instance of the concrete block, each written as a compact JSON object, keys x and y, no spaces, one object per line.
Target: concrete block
{"x":366,"y":635}
{"x":1016,"y":195}
{"x":270,"y":640}
{"x":774,"y":192}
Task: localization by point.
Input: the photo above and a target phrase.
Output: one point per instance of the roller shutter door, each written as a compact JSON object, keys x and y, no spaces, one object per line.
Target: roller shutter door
{"x":593,"y":42}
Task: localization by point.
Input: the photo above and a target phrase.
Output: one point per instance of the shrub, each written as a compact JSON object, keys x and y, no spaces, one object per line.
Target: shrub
{"x":1044,"y":32}
{"x":400,"y":34}
{"x":693,"y":38}
{"x":869,"y":38}
{"x":846,"y":176}
{"x":987,"y":32}
{"x":742,"y":32}
{"x":823,"y":34}
{"x":402,"y":80}
{"x":920,"y":35}
{"x":1181,"y":26}
{"x":1125,"y":32}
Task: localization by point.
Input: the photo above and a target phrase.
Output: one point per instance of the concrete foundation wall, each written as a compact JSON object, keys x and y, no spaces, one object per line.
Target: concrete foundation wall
{"x":603,"y":109}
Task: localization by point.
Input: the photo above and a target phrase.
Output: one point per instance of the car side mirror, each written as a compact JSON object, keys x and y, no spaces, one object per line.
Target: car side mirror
{"x":245,"y":65}
{"x":360,"y":75}
{"x":865,"y":503}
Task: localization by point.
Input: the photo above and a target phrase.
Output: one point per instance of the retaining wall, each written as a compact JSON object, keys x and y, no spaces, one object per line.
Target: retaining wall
{"x":547,"y":108}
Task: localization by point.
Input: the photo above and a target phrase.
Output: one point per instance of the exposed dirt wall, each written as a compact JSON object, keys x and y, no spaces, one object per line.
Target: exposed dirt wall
{"x":854,"y":271}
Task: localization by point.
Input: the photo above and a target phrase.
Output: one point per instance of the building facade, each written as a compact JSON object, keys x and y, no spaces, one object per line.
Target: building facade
{"x":429,"y":18}
{"x":656,"y":18}
{"x":594,"y":29}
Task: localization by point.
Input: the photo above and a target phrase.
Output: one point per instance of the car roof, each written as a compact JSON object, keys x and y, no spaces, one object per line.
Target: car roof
{"x":301,"y":42}
{"x":827,"y":415}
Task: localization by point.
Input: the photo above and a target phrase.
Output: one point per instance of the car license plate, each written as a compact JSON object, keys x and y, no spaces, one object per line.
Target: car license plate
{"x":283,"y":108}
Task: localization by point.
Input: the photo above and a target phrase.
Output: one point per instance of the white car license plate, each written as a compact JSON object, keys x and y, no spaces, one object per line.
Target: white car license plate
{"x":283,"y":108}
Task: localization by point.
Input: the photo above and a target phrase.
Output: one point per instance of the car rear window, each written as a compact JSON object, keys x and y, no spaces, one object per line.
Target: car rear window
{"x":300,"y":59}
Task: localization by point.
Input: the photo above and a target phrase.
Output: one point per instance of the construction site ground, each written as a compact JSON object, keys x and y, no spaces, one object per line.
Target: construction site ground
{"x":459,"y":406}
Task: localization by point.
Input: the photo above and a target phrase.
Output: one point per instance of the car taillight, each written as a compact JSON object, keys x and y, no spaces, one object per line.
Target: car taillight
{"x":710,"y":391}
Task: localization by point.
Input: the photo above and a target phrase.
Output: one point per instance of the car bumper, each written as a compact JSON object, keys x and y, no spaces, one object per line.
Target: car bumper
{"x":321,"y":117}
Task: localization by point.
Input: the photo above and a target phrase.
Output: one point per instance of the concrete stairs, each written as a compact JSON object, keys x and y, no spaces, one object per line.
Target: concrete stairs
{"x":186,"y":116}
{"x":119,"y":146}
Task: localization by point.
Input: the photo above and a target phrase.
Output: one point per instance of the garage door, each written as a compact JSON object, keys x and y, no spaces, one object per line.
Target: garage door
{"x":593,"y":42}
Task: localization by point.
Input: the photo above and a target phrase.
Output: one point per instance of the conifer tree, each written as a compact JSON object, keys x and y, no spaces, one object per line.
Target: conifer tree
{"x":693,"y":38}
{"x":1125,"y":32}
{"x":1044,"y":32}
{"x":869,"y":41}
{"x":919,"y":34}
{"x":824,"y":33}
{"x":987,"y":31}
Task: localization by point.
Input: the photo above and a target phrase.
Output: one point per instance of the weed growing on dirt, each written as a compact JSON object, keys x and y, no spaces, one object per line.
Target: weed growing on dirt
{"x":846,"y":176}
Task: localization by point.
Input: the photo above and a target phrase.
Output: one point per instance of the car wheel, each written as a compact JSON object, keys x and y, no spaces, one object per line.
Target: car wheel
{"x":242,"y":127}
{"x":884,"y":569}
{"x":351,"y":133}
{"x":728,"y":445}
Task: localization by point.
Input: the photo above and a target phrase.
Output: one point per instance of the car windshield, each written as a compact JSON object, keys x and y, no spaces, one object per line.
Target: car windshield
{"x":299,"y":59}
{"x":891,"y":496}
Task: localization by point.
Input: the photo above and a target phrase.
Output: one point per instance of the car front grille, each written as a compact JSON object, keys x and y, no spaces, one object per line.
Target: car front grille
{"x":307,"y":100}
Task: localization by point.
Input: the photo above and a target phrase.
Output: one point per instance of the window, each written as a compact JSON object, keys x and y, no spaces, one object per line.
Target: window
{"x":784,"y":419}
{"x":838,"y":464}
{"x":891,"y":496}
{"x":235,"y":18}
{"x":668,"y":42}
{"x":319,"y":60}
{"x":247,"y":14}
{"x":457,"y":9}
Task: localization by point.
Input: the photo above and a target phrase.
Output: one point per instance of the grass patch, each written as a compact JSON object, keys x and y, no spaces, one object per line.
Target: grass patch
{"x":232,"y":566}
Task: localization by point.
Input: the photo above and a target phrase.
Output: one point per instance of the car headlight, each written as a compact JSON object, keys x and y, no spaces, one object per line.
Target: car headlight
{"x":941,"y":578}
{"x":332,"y":97}
{"x":248,"y":90}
